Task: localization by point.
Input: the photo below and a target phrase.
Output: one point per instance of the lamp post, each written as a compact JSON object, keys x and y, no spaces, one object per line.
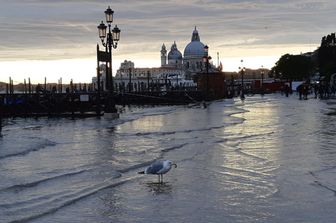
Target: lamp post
{"x":242,"y":70}
{"x":109,"y":40}
{"x":206,"y":59}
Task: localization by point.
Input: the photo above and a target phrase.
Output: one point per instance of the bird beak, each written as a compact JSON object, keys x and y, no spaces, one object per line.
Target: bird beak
{"x":174,"y":164}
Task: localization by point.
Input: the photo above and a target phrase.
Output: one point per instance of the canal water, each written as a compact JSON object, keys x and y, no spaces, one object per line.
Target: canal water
{"x":266,"y":159}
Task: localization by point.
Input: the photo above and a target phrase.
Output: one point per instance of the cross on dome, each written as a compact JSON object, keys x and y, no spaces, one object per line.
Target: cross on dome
{"x":195,"y":36}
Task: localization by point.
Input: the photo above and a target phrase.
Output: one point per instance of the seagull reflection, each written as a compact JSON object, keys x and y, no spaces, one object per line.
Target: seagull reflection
{"x":160,"y":188}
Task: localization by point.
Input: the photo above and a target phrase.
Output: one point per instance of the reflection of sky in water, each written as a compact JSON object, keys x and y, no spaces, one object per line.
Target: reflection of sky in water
{"x":147,"y":124}
{"x":243,"y":162}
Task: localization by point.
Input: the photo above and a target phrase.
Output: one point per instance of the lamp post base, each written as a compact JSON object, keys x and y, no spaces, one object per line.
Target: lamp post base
{"x":110,"y":104}
{"x":242,"y":96}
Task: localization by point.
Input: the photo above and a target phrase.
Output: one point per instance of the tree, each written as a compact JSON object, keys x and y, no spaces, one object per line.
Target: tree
{"x":293,"y":67}
{"x":327,"y":55}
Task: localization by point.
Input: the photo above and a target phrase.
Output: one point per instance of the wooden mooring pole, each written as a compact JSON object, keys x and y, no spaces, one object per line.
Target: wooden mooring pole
{"x":29,"y":86}
{"x":0,"y":123}
{"x":25,"y":86}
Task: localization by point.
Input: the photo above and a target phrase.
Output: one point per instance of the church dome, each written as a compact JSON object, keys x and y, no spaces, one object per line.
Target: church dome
{"x":195,"y":48}
{"x":174,"y":53}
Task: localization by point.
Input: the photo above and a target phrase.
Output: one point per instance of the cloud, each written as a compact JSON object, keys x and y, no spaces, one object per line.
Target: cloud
{"x":56,"y":29}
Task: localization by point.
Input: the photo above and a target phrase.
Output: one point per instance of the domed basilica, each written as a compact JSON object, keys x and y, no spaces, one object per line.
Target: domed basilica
{"x":192,"y":60}
{"x":174,"y":65}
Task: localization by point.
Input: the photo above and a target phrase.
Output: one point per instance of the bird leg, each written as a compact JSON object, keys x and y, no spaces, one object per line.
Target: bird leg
{"x":160,"y":176}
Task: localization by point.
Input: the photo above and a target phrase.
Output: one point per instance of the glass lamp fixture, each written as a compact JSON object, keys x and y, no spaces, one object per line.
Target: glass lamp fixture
{"x":109,"y":15}
{"x":116,"y":34}
{"x":102,"y":30}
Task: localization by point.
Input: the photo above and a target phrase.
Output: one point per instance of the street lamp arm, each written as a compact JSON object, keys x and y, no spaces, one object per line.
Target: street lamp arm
{"x":114,"y":45}
{"x":103,"y":42}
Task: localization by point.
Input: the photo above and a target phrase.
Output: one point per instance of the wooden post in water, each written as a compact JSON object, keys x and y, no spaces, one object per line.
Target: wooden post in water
{"x":60,"y":87}
{"x":1,"y":119}
{"x":71,"y":86}
{"x":148,"y":80}
{"x":25,"y":95}
{"x":130,"y":80}
{"x":29,"y":86}
{"x":25,"y":86}
{"x":45,"y":85}
{"x":0,"y":122}
{"x":10,"y":85}
{"x":72,"y":97}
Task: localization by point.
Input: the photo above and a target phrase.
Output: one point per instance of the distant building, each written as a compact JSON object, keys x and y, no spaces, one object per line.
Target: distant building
{"x":192,"y":60}
{"x":193,"y":56}
{"x":174,"y":66}
{"x":127,"y":69}
{"x":174,"y":57}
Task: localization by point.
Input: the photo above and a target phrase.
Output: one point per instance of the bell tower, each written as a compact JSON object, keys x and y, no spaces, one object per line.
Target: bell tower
{"x":163,"y":55}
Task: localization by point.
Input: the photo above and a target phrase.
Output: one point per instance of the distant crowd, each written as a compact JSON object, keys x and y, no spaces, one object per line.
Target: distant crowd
{"x":320,"y":90}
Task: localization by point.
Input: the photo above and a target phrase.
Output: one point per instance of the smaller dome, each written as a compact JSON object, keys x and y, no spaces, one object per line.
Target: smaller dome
{"x":174,"y":53}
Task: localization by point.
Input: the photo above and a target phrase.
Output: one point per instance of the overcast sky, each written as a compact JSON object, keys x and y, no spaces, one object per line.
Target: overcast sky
{"x":58,"y":30}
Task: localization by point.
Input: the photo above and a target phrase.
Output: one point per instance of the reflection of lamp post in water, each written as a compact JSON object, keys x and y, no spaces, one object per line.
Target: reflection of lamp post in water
{"x":242,"y":70}
{"x":112,"y":39}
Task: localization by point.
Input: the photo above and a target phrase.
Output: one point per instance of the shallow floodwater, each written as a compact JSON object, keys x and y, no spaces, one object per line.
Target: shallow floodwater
{"x":267,"y":159}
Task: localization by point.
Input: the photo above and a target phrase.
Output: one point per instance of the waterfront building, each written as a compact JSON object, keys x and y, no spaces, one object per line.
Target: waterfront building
{"x":174,"y":66}
{"x":127,"y":72}
{"x":191,"y":62}
{"x":171,"y":70}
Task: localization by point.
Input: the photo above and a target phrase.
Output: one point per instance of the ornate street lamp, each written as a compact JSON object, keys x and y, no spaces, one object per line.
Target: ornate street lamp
{"x":116,"y":35}
{"x":112,"y":38}
{"x":102,"y":31}
{"x":206,"y":59}
{"x":109,"y":15}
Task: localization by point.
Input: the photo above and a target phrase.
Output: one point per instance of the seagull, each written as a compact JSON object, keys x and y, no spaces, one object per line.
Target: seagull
{"x":159,"y":167}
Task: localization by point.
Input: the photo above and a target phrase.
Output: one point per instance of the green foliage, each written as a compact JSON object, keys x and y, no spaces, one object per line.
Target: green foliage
{"x":293,"y":67}
{"x":300,"y":67}
{"x":327,"y":55}
{"x":329,"y":40}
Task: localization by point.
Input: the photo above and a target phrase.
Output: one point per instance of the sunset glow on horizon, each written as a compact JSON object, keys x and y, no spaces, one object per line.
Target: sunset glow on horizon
{"x":58,"y":39}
